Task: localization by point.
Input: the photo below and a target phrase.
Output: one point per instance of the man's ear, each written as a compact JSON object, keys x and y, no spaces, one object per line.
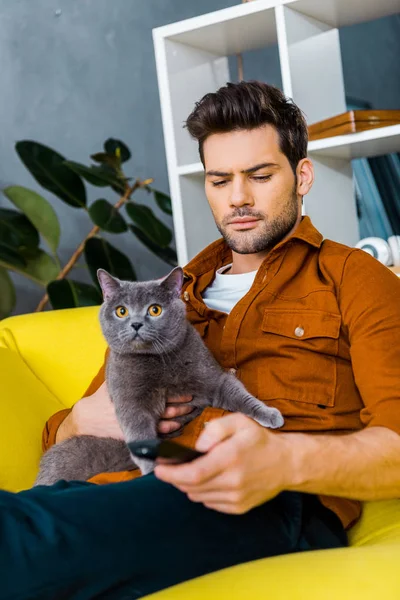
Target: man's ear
{"x":174,"y":281}
{"x":305,"y":176}
{"x":109,"y":284}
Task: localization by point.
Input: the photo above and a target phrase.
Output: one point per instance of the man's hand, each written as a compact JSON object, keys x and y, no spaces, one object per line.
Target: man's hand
{"x":95,"y":415}
{"x":176,"y":407}
{"x":245,"y":466}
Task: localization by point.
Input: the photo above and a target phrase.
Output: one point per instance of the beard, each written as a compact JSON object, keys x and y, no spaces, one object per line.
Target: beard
{"x":268,"y":232}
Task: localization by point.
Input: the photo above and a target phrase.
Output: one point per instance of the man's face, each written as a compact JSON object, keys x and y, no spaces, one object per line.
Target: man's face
{"x":253,"y":210}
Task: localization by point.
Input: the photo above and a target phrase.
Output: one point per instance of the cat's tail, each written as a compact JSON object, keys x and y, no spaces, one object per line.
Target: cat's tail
{"x":80,"y":458}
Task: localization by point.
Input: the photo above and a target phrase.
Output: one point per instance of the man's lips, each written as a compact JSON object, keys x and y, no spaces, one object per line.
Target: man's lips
{"x":243,"y":222}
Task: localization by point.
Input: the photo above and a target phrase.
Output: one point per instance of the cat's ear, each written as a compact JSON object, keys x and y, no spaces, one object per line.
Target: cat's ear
{"x":174,"y":281}
{"x":108,"y":283}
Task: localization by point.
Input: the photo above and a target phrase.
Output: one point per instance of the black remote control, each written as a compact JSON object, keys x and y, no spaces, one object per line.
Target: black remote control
{"x":174,"y":452}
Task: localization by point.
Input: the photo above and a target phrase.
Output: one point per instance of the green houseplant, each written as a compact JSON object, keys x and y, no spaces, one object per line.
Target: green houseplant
{"x":34,"y":221}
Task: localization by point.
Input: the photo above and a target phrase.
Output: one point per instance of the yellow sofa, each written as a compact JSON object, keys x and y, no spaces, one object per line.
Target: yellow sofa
{"x":46,"y":363}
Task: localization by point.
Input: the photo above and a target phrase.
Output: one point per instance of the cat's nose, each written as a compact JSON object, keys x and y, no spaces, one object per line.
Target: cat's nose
{"x":137,"y":326}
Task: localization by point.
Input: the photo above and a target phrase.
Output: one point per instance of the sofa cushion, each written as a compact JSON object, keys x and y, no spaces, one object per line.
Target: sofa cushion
{"x":380,"y":523}
{"x":363,"y":573}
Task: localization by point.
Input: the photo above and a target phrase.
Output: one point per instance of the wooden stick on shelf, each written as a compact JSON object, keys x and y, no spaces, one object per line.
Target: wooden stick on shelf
{"x":395,"y":270}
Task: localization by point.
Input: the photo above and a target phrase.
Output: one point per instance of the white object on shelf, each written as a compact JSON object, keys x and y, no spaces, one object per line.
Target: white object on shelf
{"x":192,"y":60}
{"x":378,"y":248}
{"x":394,"y":245}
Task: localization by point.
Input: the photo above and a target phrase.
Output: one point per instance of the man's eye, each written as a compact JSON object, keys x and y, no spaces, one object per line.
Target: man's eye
{"x":262,"y":177}
{"x":255,"y":178}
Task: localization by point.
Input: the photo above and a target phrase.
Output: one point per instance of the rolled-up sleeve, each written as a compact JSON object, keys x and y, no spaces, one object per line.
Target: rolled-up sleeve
{"x":50,"y":429}
{"x":370,"y":305}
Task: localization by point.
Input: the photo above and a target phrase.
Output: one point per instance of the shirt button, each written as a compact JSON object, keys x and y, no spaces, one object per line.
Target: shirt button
{"x":186,"y":296}
{"x":232,"y":371}
{"x":299,"y":332}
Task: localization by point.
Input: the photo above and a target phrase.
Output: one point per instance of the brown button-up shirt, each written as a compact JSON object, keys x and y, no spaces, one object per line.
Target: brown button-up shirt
{"x":317,"y":336}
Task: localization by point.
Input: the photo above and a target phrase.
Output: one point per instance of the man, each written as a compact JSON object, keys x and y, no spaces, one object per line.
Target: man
{"x":310,"y":326}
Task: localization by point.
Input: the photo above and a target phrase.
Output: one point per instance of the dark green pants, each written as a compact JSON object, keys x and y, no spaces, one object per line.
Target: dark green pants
{"x":126,"y":540}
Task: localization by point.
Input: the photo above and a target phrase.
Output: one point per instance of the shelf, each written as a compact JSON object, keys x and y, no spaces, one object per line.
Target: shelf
{"x":339,"y":13}
{"x":374,"y":142}
{"x":228,"y":31}
{"x":191,"y":169}
{"x":251,"y":25}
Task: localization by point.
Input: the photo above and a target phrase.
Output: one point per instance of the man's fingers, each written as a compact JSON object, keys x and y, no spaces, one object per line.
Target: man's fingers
{"x":201,"y":470}
{"x":221,"y":429}
{"x":168,"y":426}
{"x":224,"y":508}
{"x":179,"y":399}
{"x":176,"y":411}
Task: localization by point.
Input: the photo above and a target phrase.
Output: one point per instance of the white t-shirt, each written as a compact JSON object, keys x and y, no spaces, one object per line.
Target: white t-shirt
{"x":226,"y":290}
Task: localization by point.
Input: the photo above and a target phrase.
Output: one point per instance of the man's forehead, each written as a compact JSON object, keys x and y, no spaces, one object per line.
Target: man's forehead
{"x":242,"y":150}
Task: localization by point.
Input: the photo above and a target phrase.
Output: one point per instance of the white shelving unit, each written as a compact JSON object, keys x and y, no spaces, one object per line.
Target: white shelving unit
{"x":192,"y":60}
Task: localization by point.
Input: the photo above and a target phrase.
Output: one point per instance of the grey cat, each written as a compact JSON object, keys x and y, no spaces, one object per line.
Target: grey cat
{"x":155,"y":353}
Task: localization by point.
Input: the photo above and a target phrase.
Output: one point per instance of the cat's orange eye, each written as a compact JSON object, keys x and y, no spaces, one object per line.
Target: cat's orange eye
{"x":121,"y":312}
{"x":155,"y":310}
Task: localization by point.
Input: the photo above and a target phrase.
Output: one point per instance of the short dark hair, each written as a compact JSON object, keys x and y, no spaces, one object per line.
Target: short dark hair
{"x":248,"y":105}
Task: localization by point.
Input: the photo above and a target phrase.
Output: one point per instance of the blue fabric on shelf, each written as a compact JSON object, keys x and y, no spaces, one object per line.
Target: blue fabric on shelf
{"x":377,"y":189}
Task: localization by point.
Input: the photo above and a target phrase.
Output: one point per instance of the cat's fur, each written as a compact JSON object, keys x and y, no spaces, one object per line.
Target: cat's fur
{"x":165,"y":357}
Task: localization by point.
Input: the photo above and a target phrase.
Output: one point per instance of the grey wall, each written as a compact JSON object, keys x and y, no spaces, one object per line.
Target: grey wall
{"x":75,"y":72}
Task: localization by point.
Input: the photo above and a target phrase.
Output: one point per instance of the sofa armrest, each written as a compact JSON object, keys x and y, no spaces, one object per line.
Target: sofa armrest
{"x":63,"y":348}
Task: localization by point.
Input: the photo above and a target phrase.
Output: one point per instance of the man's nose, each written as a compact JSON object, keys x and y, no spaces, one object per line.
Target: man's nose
{"x":240,"y":195}
{"x":137,"y":326}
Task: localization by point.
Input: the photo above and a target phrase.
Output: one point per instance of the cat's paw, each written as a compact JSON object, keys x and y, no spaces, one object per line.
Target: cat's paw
{"x":146,"y":466}
{"x":270,"y":417}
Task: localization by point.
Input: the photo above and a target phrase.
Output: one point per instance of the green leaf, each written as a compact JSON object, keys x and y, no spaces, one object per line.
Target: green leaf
{"x":39,"y":212}
{"x":40,"y":267}
{"x":67,"y":293}
{"x":37,"y":266}
{"x":146,"y":220}
{"x":101,"y":176}
{"x":48,"y":168}
{"x":16,"y":231}
{"x":11,"y":258}
{"x":99,"y":254}
{"x":168,"y":255}
{"x":163,"y":201}
{"x":107,"y":159}
{"x":7,"y":294}
{"x":111,"y":147}
{"x":107,"y":217}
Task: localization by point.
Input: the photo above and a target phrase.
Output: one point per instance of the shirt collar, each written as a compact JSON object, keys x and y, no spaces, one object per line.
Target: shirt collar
{"x":218,"y":253}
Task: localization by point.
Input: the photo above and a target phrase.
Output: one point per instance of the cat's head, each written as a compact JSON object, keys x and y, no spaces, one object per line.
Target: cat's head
{"x":144,"y":317}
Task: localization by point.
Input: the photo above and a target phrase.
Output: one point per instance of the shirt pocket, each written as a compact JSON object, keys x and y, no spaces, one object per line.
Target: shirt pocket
{"x":299,"y":349}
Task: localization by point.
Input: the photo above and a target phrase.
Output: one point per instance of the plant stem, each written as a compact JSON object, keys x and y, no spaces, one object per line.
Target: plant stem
{"x":128,"y":192}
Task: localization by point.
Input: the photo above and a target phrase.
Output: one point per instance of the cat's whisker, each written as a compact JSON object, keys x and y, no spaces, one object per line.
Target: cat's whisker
{"x":159,"y":349}
{"x":172,"y":354}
